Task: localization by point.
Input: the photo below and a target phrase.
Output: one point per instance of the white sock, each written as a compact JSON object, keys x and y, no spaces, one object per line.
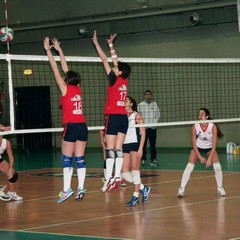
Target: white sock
{"x":186,"y":174}
{"x":109,"y":167}
{"x":67,"y":177}
{"x":218,"y":173}
{"x":81,"y":172}
{"x":136,"y":194}
{"x":105,"y":173}
{"x":118,"y":167}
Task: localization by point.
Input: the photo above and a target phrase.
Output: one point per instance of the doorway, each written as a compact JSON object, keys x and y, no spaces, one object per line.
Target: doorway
{"x":33,"y":110}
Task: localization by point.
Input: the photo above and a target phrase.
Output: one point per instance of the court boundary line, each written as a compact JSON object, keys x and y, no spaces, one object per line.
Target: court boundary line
{"x":131,"y":213}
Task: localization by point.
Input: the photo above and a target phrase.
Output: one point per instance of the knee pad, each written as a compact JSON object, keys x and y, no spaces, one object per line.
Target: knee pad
{"x":119,"y":153}
{"x":136,"y":176}
{"x":66,"y":161}
{"x":80,"y":163}
{"x":127,"y":176}
{"x":217,"y":167}
{"x":110,"y":153}
{"x":14,"y":178}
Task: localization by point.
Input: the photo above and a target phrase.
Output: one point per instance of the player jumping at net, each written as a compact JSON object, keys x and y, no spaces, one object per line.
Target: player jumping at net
{"x":204,"y":142}
{"x":116,"y":123}
{"x":75,"y":134}
{"x":7,"y":168}
{"x":133,"y":151}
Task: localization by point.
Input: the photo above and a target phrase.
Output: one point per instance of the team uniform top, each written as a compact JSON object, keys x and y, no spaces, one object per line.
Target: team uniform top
{"x":133,"y":133}
{"x":116,"y":95}
{"x":71,"y":104}
{"x":204,"y":137}
{"x":3,"y":147}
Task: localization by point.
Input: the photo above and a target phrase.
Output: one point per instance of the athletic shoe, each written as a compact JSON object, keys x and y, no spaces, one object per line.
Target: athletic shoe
{"x":115,"y":183}
{"x":154,"y":163}
{"x":107,"y":184}
{"x":180,"y":192}
{"x":133,"y":202}
{"x":14,"y":196}
{"x":64,"y":195}
{"x":123,"y":184}
{"x":145,"y":193}
{"x":80,"y":194}
{"x":221,"y":192}
{"x":3,"y":196}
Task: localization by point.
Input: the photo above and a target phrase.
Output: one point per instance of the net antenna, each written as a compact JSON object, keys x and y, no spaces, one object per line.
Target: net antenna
{"x":6,"y":22}
{"x":238,"y":8}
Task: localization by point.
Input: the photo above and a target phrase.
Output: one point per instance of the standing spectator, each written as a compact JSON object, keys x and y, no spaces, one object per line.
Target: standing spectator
{"x":116,"y":122}
{"x":151,"y":115}
{"x":75,"y":134}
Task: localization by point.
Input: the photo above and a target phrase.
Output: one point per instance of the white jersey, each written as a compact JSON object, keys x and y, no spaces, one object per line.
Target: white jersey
{"x":132,"y":134}
{"x":149,"y":111}
{"x":204,"y":138}
{"x":3,"y":147}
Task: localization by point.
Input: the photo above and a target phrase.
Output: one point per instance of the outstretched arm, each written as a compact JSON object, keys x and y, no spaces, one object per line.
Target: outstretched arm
{"x":58,"y":77}
{"x":56,"y":45}
{"x":114,"y":56}
{"x":101,"y":53}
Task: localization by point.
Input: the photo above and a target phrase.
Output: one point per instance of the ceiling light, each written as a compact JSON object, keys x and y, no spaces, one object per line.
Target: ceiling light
{"x":82,"y":30}
{"x":195,"y":19}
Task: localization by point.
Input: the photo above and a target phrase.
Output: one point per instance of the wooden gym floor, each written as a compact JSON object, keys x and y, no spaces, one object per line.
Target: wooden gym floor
{"x":200,"y":215}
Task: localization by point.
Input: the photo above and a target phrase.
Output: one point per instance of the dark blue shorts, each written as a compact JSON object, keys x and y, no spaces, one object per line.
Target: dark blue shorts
{"x":75,"y":132}
{"x":130,"y":147}
{"x":204,"y":150}
{"x":116,"y":123}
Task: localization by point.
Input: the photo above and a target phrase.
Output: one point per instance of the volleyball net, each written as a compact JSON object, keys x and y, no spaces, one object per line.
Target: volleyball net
{"x":30,"y":101}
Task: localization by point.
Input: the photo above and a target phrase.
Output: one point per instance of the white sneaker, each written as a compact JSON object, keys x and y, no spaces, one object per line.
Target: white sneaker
{"x":221,"y":192}
{"x":14,"y":196}
{"x":180,"y":192}
{"x":108,"y":184}
{"x":3,"y":196}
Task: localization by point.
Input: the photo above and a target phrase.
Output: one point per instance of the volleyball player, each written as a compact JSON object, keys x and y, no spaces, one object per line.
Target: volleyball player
{"x":75,"y":134}
{"x":204,"y":142}
{"x":116,"y":123}
{"x":132,"y":152}
{"x":7,"y":168}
